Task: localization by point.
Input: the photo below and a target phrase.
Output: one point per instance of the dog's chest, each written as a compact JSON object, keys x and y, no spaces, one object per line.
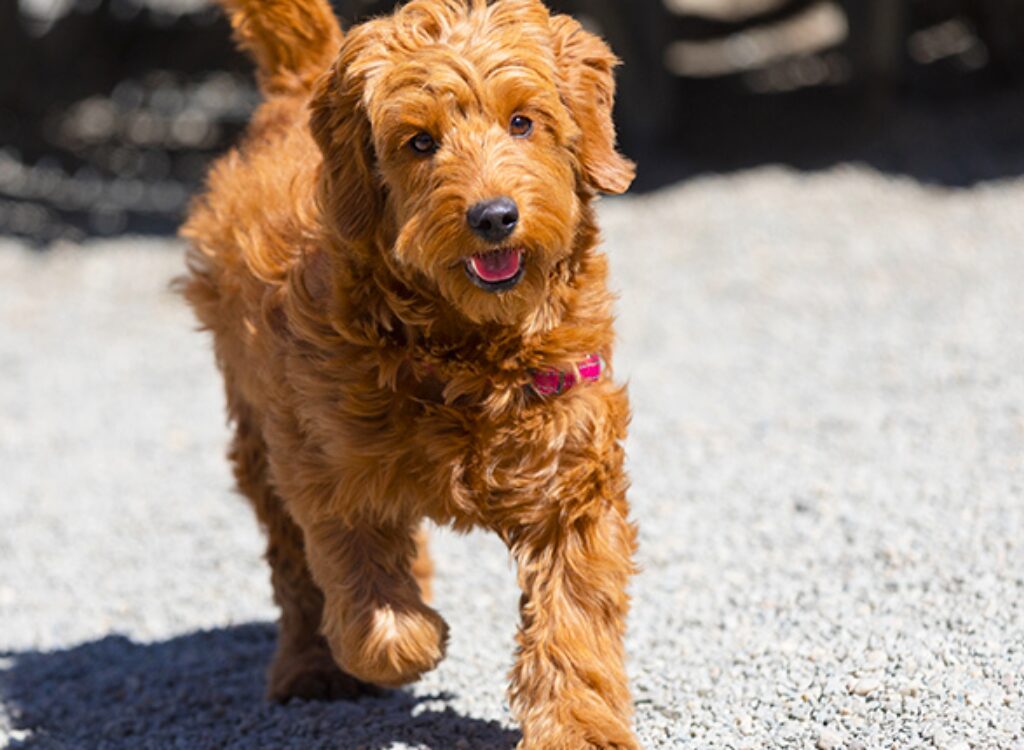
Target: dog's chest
{"x":517,"y":458}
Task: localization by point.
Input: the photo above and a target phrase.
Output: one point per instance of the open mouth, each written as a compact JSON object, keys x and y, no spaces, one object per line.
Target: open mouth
{"x":496,"y":271}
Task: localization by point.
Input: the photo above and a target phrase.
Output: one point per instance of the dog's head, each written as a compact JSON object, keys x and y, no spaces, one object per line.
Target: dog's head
{"x":464,"y":138}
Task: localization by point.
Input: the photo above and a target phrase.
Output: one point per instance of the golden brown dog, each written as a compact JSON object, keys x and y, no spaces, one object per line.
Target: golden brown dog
{"x":399,"y":268}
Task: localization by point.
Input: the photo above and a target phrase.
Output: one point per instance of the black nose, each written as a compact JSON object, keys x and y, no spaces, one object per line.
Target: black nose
{"x":493,"y":220}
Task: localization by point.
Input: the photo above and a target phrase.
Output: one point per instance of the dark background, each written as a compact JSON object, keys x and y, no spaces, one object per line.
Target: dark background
{"x":111,"y":109}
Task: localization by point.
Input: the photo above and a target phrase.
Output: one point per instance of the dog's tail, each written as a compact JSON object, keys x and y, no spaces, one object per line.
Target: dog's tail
{"x":292,"y":41}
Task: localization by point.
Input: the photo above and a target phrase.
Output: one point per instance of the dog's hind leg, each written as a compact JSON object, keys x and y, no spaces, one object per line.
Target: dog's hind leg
{"x":423,"y":566}
{"x":302,"y":666}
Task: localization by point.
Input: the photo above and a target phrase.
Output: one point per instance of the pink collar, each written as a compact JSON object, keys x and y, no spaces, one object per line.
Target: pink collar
{"x":557,"y":382}
{"x":545,"y":383}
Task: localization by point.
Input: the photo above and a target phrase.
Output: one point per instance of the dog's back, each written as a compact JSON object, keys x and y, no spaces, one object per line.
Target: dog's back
{"x":257,"y":212}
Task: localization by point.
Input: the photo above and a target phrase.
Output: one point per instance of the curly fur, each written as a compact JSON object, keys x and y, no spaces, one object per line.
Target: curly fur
{"x":373,"y":386}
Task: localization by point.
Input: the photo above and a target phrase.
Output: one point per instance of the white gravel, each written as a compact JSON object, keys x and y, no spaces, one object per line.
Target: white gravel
{"x":827,"y":456}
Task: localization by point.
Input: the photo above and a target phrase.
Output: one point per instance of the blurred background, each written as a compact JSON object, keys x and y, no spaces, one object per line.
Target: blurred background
{"x":111,"y":109}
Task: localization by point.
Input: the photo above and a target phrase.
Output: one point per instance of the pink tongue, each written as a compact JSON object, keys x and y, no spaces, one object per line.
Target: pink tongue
{"x":495,"y":267}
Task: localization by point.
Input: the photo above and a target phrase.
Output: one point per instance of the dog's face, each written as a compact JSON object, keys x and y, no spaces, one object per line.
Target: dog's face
{"x":464,"y":138}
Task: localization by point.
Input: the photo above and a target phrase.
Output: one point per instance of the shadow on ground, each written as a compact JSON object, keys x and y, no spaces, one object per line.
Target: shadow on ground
{"x":204,"y":690}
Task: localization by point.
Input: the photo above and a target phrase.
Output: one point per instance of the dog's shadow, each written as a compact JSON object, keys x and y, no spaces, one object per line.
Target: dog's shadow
{"x":204,"y":690}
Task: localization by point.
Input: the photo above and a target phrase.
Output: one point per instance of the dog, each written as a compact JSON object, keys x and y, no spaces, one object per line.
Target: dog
{"x":399,"y":266}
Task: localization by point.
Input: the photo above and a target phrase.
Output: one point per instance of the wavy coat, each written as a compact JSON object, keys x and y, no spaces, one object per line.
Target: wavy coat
{"x":373,"y":386}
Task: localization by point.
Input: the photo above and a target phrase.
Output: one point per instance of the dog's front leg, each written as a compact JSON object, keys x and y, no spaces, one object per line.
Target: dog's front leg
{"x":569,"y":686}
{"x":374,"y":618}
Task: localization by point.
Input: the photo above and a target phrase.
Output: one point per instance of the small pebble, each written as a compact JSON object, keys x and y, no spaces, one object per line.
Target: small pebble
{"x":876,"y":659}
{"x":828,"y":739}
{"x":866,"y":686}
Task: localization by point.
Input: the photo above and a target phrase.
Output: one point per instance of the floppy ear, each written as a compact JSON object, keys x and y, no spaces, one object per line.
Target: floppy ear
{"x":585,"y":65}
{"x":349,"y":191}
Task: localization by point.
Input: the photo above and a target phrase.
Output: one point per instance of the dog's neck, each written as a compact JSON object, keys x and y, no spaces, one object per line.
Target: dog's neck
{"x":372,"y":303}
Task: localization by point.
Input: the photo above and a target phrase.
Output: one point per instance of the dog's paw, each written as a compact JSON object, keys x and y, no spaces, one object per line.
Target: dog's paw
{"x":313,"y":676}
{"x":554,"y":737}
{"x":389,"y":646}
{"x":579,"y":744}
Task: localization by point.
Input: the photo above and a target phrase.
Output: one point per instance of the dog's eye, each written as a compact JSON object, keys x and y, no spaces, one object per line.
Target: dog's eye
{"x":521,"y":126}
{"x":423,"y":143}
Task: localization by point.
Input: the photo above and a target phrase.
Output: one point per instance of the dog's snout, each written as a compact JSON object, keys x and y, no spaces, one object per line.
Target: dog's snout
{"x":493,"y":220}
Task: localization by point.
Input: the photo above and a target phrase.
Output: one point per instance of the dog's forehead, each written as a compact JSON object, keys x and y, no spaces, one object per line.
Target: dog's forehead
{"x":465,"y":78}
{"x":461,"y":59}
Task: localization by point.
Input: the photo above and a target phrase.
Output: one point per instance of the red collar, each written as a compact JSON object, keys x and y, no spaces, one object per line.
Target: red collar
{"x":545,"y":383}
{"x":557,"y":382}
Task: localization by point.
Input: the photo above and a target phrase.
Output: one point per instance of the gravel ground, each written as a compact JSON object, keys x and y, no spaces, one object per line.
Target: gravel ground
{"x":827,"y":459}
